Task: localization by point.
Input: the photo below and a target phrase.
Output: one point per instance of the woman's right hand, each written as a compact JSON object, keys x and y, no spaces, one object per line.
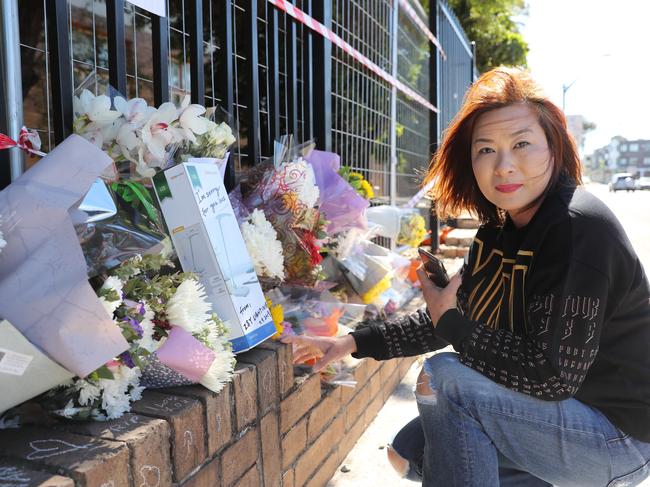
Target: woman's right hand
{"x":325,"y":349}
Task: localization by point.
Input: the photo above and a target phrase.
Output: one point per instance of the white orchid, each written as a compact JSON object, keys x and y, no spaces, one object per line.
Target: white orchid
{"x":147,"y":137}
{"x":158,"y":132}
{"x":191,"y":121}
{"x":96,"y":108}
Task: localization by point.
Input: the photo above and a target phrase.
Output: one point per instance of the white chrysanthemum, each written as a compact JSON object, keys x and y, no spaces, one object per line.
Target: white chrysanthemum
{"x":147,"y":341}
{"x":3,"y":242}
{"x":114,"y":284}
{"x":88,"y":392}
{"x":299,"y":176}
{"x":188,"y":307}
{"x":263,"y":245}
{"x":221,"y":369}
{"x":116,"y":398}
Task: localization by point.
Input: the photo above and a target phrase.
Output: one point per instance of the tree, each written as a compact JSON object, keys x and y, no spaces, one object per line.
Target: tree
{"x":490,"y":24}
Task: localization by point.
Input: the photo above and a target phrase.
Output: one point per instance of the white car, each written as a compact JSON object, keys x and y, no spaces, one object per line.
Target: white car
{"x":622,"y":181}
{"x":643,"y":183}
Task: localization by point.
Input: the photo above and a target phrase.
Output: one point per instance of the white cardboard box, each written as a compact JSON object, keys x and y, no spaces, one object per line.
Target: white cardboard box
{"x":208,"y":242}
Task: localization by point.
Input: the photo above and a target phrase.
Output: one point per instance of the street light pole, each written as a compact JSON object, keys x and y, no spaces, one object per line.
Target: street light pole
{"x":565,"y":88}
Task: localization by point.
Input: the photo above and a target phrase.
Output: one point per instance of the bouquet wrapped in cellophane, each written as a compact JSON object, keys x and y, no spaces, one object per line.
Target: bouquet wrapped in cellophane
{"x":174,"y":339}
{"x":141,"y":140}
{"x":282,"y":192}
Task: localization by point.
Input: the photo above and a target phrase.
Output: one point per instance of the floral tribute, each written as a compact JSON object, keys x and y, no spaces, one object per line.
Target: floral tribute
{"x":412,"y":230}
{"x":288,"y":195}
{"x":358,"y":182}
{"x":167,"y":320}
{"x":142,"y":139}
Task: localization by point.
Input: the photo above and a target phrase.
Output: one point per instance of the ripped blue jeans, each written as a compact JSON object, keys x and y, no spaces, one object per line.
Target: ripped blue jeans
{"x":479,"y":433}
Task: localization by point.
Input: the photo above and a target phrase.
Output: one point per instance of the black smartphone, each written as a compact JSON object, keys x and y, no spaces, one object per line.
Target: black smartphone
{"x":434,"y":268}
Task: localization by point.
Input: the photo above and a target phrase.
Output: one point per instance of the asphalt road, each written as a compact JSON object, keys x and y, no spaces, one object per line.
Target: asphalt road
{"x":633,"y":211}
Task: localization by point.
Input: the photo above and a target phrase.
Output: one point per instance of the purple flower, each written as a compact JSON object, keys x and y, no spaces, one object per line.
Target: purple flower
{"x":135,"y":326}
{"x":125,"y":357}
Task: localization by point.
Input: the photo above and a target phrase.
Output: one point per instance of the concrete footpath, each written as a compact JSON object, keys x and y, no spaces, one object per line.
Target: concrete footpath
{"x":367,"y":464}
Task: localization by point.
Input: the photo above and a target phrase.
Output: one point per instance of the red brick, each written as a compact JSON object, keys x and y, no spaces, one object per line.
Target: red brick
{"x":355,"y":408}
{"x":360,"y":372}
{"x":324,"y":473}
{"x":301,"y":400}
{"x":373,"y":409}
{"x":266,"y":364}
{"x":207,"y":476}
{"x":250,"y":479}
{"x":405,"y":365}
{"x":294,"y":442}
{"x":186,"y":416}
{"x":375,"y":385}
{"x":271,"y":448}
{"x":88,"y":461}
{"x":387,"y":369}
{"x":245,"y":388}
{"x":373,"y":366}
{"x":238,"y":457}
{"x":319,"y":451}
{"x":148,"y":440}
{"x":218,"y":410}
{"x":349,"y":393}
{"x":285,"y":363}
{"x":287,"y":478}
{"x":390,"y":384}
{"x":23,"y":476}
{"x":324,"y":412}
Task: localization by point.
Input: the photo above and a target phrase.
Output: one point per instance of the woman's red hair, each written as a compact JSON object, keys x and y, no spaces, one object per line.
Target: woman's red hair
{"x":455,"y":187}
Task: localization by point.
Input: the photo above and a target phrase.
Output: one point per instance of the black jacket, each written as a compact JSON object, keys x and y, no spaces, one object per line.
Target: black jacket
{"x":558,"y":309}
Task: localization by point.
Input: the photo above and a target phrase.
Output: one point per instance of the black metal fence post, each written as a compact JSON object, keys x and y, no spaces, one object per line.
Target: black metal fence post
{"x":434,"y":119}
{"x":253,"y":95}
{"x":160,"y":35}
{"x":274,"y":79}
{"x":197,"y":76}
{"x":322,"y":51}
{"x":308,"y":76}
{"x":292,"y":76}
{"x":60,"y":68}
{"x":116,"y":45}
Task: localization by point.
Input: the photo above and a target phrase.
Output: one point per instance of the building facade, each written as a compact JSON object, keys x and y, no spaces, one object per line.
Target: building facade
{"x":620,"y":155}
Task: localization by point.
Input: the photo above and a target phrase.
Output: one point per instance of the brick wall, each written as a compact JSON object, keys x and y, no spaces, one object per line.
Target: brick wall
{"x":267,"y":428}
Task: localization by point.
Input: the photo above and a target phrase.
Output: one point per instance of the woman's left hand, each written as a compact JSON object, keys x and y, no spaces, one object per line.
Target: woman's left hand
{"x":438,"y":299}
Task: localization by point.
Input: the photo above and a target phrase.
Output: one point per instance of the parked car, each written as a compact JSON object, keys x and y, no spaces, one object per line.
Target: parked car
{"x":643,"y":183}
{"x":622,"y":181}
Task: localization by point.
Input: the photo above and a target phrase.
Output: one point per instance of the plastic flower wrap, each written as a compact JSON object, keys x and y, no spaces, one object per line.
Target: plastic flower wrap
{"x":142,"y":139}
{"x":405,"y":225}
{"x":285,"y":189}
{"x":412,"y":230}
{"x":173,"y":337}
{"x":358,"y":182}
{"x":343,"y":208}
{"x":263,"y":246}
{"x":3,"y":242}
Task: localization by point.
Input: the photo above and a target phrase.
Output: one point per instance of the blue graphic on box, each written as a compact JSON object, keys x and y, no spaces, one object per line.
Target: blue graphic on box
{"x":248,"y":341}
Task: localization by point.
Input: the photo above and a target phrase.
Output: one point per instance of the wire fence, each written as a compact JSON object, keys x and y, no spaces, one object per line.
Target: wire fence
{"x":269,"y":73}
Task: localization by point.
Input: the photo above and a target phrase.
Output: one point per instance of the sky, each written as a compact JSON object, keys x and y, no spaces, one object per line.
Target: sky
{"x":604,"y":48}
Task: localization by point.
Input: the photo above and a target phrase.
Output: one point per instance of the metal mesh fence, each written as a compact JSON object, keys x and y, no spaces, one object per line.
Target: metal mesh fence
{"x":361,"y":120}
{"x":275,"y":96}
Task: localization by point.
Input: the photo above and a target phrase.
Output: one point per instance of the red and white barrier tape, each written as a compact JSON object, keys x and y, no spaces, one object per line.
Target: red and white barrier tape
{"x":418,"y":21}
{"x":316,"y":26}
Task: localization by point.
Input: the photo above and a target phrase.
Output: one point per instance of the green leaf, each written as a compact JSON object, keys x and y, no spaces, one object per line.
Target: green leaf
{"x":104,"y":373}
